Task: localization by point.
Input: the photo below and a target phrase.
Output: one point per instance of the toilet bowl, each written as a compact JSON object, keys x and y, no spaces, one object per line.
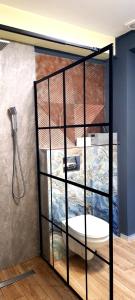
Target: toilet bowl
{"x":97,"y":234}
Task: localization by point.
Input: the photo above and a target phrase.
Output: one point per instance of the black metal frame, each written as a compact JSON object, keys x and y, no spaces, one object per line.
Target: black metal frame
{"x":65,"y":180}
{"x":45,"y":38}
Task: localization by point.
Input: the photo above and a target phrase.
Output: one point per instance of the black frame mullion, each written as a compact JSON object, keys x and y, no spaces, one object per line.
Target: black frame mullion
{"x":76,"y":125}
{"x":38,"y":169}
{"x":50,"y":142}
{"x":77,"y":184}
{"x":111,"y":169}
{"x":65,"y":162}
{"x":65,"y":180}
{"x":76,"y":63}
{"x":85,"y":211}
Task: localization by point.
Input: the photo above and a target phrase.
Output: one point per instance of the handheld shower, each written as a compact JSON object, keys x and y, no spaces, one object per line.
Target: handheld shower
{"x":12,"y":111}
{"x":13,"y":117}
{"x":17,"y":166}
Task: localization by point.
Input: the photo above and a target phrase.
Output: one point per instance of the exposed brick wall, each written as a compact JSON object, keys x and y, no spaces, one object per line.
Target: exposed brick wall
{"x":94,"y":87}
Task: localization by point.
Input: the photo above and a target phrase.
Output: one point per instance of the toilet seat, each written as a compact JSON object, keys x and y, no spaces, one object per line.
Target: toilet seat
{"x":97,"y":229}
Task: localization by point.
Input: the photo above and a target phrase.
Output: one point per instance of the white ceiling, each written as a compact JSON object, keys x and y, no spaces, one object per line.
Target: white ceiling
{"x":105,"y":16}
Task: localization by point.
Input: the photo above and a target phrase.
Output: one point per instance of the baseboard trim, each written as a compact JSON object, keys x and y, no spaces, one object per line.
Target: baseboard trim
{"x":128,"y":237}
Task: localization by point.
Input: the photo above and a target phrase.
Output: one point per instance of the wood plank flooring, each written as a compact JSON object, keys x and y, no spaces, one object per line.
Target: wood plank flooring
{"x":46,"y":285}
{"x":98,"y":273}
{"x":43,"y":285}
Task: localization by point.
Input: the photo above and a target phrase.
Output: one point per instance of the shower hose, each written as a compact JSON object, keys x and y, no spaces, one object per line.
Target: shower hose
{"x":16,"y":154}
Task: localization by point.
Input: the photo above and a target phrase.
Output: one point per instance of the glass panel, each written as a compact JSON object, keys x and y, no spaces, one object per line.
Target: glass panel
{"x":44,"y":149}
{"x":58,"y":202}
{"x":96,"y":91}
{"x":56,"y":100}
{"x":47,"y":240}
{"x":57,"y":152}
{"x":75,"y":154}
{"x":42,"y":104}
{"x":97,"y":159}
{"x":77,"y":271}
{"x":98,"y":278}
{"x":59,"y":249}
{"x":98,"y":228}
{"x":44,"y":139}
{"x":74,"y":95}
{"x":45,"y":187}
{"x":75,"y":206}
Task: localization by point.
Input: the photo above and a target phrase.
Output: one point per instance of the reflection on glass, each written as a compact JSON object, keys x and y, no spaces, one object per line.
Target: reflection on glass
{"x":77,"y":271}
{"x":96,"y":92}
{"x":57,"y":156}
{"x":98,"y":279}
{"x":98,"y":223}
{"x":75,"y":155}
{"x":42,"y":103}
{"x":57,"y":153}
{"x":97,"y":166}
{"x":59,"y":251}
{"x":44,"y":143}
{"x":97,"y":235}
{"x":51,"y":159}
{"x":47,"y":240}
{"x":97,"y":205}
{"x":75,"y":202}
{"x":58,"y":202}
{"x":56,"y":100}
{"x":45,"y":190}
{"x":74,"y":95}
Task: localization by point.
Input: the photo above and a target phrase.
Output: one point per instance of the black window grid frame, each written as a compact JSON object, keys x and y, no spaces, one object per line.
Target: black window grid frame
{"x":65,"y":180}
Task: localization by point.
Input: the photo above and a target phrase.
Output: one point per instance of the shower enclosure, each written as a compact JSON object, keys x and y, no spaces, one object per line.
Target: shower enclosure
{"x":64,"y":138}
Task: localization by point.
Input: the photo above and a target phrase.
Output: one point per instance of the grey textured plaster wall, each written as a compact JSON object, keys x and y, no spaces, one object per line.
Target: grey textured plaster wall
{"x":18,"y":224}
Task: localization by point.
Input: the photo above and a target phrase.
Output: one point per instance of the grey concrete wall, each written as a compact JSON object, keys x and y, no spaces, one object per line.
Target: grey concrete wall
{"x":18,"y":224}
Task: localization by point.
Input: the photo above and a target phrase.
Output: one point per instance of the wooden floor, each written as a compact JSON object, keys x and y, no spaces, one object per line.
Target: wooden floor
{"x":98,"y":273}
{"x":45,"y":284}
{"x":124,"y":269}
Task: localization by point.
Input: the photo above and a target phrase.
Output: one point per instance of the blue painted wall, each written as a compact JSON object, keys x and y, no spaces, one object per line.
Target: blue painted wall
{"x":124,"y":123}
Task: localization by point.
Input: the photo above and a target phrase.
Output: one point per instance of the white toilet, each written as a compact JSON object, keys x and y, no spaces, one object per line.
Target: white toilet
{"x":97,"y":234}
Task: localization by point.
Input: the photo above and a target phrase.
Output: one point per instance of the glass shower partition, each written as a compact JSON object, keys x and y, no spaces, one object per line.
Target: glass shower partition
{"x":67,"y":119}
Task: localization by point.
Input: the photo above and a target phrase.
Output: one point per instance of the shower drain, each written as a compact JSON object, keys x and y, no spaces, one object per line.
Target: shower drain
{"x":12,"y":280}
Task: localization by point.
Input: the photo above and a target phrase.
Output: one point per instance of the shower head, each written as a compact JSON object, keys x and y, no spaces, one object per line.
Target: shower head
{"x":12,"y":111}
